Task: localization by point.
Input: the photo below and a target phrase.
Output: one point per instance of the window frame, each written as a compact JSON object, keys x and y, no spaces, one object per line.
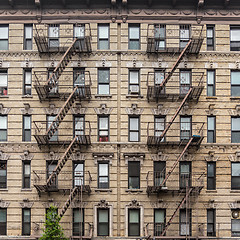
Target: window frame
{"x":24,"y":130}
{"x":106,"y":223}
{"x":211,"y":85}
{"x":182,"y":86}
{"x":26,"y":176}
{"x":48,"y":173}
{"x":211,"y":178}
{"x":25,"y":40}
{"x":76,"y":174}
{"x":103,"y":83}
{"x":138,"y":223}
{"x":235,"y":131}
{"x":55,"y":136}
{"x":80,"y":225}
{"x":210,"y":47}
{"x":162,"y":225}
{"x":211,"y":222}
{"x":82,"y":131}
{"x":185,"y":177}
{"x":3,"y":225}
{"x":135,"y":40}
{"x":4,"y":182}
{"x":133,"y":131}
{"x":188,"y":213}
{"x":131,"y":92}
{"x":159,"y":176}
{"x":5,"y":130}
{"x":235,"y":85}
{"x":232,"y":177}
{"x":103,"y":138}
{"x":103,"y":176}
{"x":103,"y":39}
{"x":4,"y":89}
{"x":183,"y":41}
{"x":235,"y":234}
{"x":56,"y":39}
{"x":159,"y":40}
{"x":25,"y":85}
{"x":182,"y":137}
{"x":79,"y":25}
{"x":5,"y":39}
{"x":235,"y":48}
{"x":211,"y":131}
{"x":24,"y":223}
{"x":137,"y":166}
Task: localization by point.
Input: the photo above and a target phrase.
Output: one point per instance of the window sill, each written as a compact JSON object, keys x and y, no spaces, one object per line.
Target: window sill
{"x":211,"y":191}
{"x":26,"y":190}
{"x":4,"y":189}
{"x":235,"y":98}
{"x":103,"y":190}
{"x":134,"y":190}
{"x":27,"y":96}
{"x":4,"y":96}
{"x":103,"y":96}
{"x":211,"y":97}
{"x":134,"y":96}
{"x":235,"y":191}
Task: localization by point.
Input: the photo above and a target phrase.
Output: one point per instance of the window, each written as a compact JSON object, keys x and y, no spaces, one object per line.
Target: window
{"x":78,"y":174}
{"x":159,"y":76}
{"x":160,"y":35}
{"x":53,"y":36}
{"x":210,"y":37}
{"x":234,"y":38}
{"x":103,"y":36}
{"x":3,"y":221}
{"x":133,"y":175}
{"x":184,"y":35}
{"x":235,"y":176}
{"x":28,"y":34}
{"x":159,"y":221}
{"x":134,"y":36}
{"x":103,"y":129}
{"x":50,"y":119}
{"x":185,"y":174}
{"x":78,"y":222}
{"x":78,"y":125}
{"x":211,"y":83}
{"x":26,"y":221}
{"x":185,"y":81}
{"x":103,"y":222}
{"x":3,"y":128}
{"x":211,"y":222}
{"x":134,"y":129}
{"x":211,"y":129}
{"x":3,"y":174}
{"x":54,"y":89}
{"x":3,"y":37}
{"x":3,"y":82}
{"x":26,"y":174}
{"x":235,"y":83}
{"x":26,"y":135}
{"x":103,"y":81}
{"x":159,"y":126}
{"x":27,"y":84}
{"x":133,"y":222}
{"x":235,"y":223}
{"x":235,"y":126}
{"x":79,"y":31}
{"x":134,"y":85}
{"x":159,"y":172}
{"x":185,"y":222}
{"x":103,"y":175}
{"x":50,"y":169}
{"x":185,"y":128}
{"x":78,"y":77}
{"x":211,"y":175}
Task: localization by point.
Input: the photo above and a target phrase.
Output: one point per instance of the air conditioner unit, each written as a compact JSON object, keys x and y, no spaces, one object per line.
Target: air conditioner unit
{"x":134,"y":89}
{"x":236,"y":214}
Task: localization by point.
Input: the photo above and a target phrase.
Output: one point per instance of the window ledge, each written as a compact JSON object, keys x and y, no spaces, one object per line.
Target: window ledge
{"x":211,"y":191}
{"x":235,"y":191}
{"x":3,"y":189}
{"x":103,"y":190}
{"x":211,"y":97}
{"x":27,"y":96}
{"x":103,"y":96}
{"x":134,"y":190}
{"x":26,"y":190}
{"x":235,"y":98}
{"x":4,"y":96}
{"x":134,"y":96}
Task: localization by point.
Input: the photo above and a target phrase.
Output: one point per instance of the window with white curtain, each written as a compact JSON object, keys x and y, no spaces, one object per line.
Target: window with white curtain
{"x":103,"y":128}
{"x":79,"y":31}
{"x":185,"y":81}
{"x":103,"y":175}
{"x":27,"y":85}
{"x":3,"y":37}
{"x":78,"y":174}
{"x":185,"y":127}
{"x":3,"y":82}
{"x":53,"y":35}
{"x":103,"y":36}
{"x":159,"y":221}
{"x":28,"y":35}
{"x":185,"y":222}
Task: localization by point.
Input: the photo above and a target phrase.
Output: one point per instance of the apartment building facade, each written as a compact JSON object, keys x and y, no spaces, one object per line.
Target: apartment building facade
{"x":125,"y":115}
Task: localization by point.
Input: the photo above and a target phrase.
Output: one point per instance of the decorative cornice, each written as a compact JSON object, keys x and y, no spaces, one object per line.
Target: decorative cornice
{"x":210,"y":204}
{"x":4,"y":204}
{"x":50,"y":203}
{"x":160,"y":110}
{"x":4,"y":111}
{"x":134,"y":110}
{"x":27,"y":110}
{"x":211,"y":110}
{"x":3,"y":156}
{"x":134,"y":204}
{"x":234,"y":158}
{"x":52,"y":110}
{"x":26,"y":156}
{"x":78,"y":109}
{"x":159,"y":204}
{"x":134,"y":157}
{"x":186,"y":157}
{"x":26,"y":203}
{"x":99,"y":157}
{"x":78,"y":204}
{"x":78,"y":156}
{"x":103,"y":204}
{"x":159,"y":157}
{"x":186,"y":110}
{"x":52,"y":157}
{"x":234,"y":205}
{"x":234,"y":112}
{"x":103,"y":110}
{"x":211,"y":157}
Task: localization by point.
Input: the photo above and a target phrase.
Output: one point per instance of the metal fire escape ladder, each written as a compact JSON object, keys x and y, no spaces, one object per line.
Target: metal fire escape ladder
{"x":175,"y":212}
{"x":62,"y":161}
{"x":175,"y":115}
{"x":53,"y":79}
{"x":175,"y":65}
{"x":62,"y":113}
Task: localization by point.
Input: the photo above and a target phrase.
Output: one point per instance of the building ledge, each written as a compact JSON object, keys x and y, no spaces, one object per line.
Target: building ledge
{"x":235,"y":191}
{"x":27,"y":96}
{"x":211,"y":97}
{"x":103,"y":96}
{"x":211,"y":191}
{"x":134,"y":96}
{"x":26,"y":190}
{"x":103,"y":190}
{"x":3,"y":189}
{"x":235,"y":98}
{"x":134,"y":190}
{"x":4,"y":96}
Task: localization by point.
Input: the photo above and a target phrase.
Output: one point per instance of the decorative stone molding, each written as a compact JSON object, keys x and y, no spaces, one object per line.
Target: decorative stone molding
{"x":103,"y":204}
{"x":159,"y":204}
{"x":211,"y":110}
{"x":210,"y":204}
{"x":4,"y":204}
{"x":52,"y":110}
{"x":234,"y":205}
{"x":186,"y":110}
{"x":26,"y":156}
{"x":26,"y":203}
{"x":211,"y":157}
{"x":27,"y":110}
{"x":78,"y":109}
{"x":78,"y":204}
{"x":78,"y":156}
{"x":234,"y":112}
{"x":159,"y":157}
{"x":160,"y":110}
{"x":186,"y":157}
{"x":134,"y":204}
{"x":52,"y":156}
{"x":1,"y":62}
{"x":3,"y":110}
{"x":99,"y":157}
{"x":103,"y":110}
{"x":134,"y":110}
{"x":3,"y":156}
{"x":51,"y":203}
{"x":134,"y":157}
{"x":235,"y":157}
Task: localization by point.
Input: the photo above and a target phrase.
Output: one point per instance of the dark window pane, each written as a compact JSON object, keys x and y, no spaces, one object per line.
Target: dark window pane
{"x":236,"y":227}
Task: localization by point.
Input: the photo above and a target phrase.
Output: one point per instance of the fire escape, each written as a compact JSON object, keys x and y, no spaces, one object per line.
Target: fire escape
{"x":176,"y":85}
{"x":49,"y":85}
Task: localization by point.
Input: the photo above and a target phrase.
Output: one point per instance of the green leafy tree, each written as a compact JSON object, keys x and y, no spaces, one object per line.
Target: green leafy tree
{"x":53,"y":230}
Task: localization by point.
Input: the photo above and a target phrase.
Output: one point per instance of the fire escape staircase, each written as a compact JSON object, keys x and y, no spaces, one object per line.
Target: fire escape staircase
{"x":44,"y":90}
{"x":155,"y":91}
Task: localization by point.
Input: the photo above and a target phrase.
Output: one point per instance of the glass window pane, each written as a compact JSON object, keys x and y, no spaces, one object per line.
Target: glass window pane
{"x":134,"y":137}
{"x":103,"y":169}
{"x":3,"y":122}
{"x":134,"y":124}
{"x":184,"y":32}
{"x":79,"y":31}
{"x":53,"y":31}
{"x":103,"y":31}
{"x":159,"y":77}
{"x":235,"y":77}
{"x":103,"y":44}
{"x":184,"y":77}
{"x":211,"y":170}
{"x":77,"y":215}
{"x":27,"y":122}
{"x":210,"y":77}
{"x":185,"y":168}
{"x":26,"y":215}
{"x":28,"y":32}
{"x":27,"y":169}
{"x":3,"y":79}
{"x":211,"y":123}
{"x":236,"y":225}
{"x":210,"y":33}
{"x":3,"y":215}
{"x":159,"y":216}
{"x":134,"y":32}
{"x":134,"y":230}
{"x":134,"y":77}
{"x":103,"y":215}
{"x":236,"y":169}
{"x":103,"y":76}
{"x":235,"y":34}
{"x":103,"y":89}
{"x":3,"y":44}
{"x":160,"y":31}
{"x":103,"y":123}
{"x":235,"y":124}
{"x":134,"y":216}
{"x":4,"y":32}
{"x":134,"y":44}
{"x":28,"y":77}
